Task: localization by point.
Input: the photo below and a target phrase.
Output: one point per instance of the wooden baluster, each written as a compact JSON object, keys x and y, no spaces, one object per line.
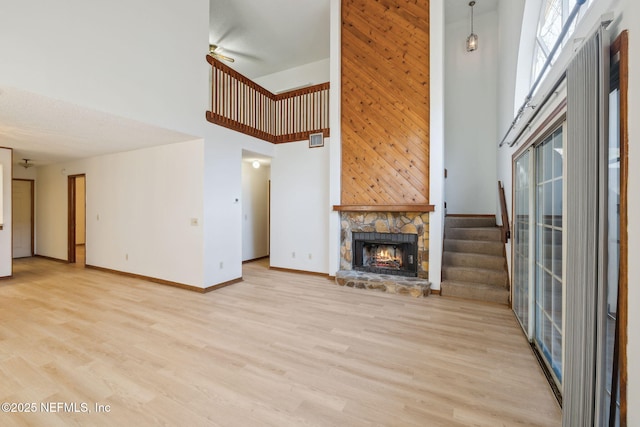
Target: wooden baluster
{"x":214,"y":90}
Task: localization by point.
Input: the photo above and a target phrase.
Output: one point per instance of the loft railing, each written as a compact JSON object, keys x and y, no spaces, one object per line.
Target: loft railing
{"x":242,"y":105}
{"x":506,"y":232}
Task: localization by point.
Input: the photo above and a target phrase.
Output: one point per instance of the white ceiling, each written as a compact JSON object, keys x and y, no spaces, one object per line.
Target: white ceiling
{"x":456,"y":10}
{"x":46,"y":130}
{"x":264,"y":37}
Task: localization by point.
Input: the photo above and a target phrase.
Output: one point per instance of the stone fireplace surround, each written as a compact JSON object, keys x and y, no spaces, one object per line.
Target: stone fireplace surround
{"x":384,"y":222}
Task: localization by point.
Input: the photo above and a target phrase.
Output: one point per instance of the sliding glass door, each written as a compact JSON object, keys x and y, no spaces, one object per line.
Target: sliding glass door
{"x":538,"y":285}
{"x":521,"y":241}
{"x":548,"y":259}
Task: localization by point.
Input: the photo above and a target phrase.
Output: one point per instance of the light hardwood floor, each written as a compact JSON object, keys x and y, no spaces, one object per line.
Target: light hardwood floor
{"x":279,"y":349}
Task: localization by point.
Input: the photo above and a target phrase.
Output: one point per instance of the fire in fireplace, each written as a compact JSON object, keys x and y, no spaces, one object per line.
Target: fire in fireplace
{"x":386,"y":253}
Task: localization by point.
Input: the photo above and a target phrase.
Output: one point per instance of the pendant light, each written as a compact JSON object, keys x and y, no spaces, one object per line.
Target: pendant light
{"x":472,"y":40}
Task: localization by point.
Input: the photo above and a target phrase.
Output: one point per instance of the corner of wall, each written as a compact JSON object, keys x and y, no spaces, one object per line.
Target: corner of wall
{"x":6,"y":244}
{"x":436,"y":138}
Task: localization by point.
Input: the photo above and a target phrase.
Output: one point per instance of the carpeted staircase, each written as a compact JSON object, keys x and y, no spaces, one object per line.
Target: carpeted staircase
{"x":474,"y":264}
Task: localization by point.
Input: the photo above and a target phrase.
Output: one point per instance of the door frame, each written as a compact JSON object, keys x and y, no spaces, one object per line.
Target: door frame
{"x":71,"y":216}
{"x":32,"y":214}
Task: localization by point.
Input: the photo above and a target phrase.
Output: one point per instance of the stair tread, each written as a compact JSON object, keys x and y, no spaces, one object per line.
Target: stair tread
{"x":474,"y":254}
{"x":481,"y":234}
{"x":475,"y":291}
{"x":483,"y":247}
{"x":474,"y":284}
{"x":483,"y":270}
{"x":475,"y":228}
{"x":470,"y":221}
{"x":493,"y":242}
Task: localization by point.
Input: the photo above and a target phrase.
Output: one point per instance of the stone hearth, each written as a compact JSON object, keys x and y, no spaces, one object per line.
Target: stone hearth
{"x":385,"y":222}
{"x":412,"y":286}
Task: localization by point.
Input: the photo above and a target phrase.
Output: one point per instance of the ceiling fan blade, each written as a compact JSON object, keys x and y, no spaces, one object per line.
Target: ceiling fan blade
{"x":225,"y":58}
{"x":212,"y":52}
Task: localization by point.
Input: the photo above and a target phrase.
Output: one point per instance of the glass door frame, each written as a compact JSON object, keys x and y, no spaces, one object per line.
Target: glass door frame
{"x":556,"y":120}
{"x":528,"y":328}
{"x":534,"y":260}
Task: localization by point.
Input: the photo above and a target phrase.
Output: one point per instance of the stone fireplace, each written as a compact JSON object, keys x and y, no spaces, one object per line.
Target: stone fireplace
{"x":381,"y":224}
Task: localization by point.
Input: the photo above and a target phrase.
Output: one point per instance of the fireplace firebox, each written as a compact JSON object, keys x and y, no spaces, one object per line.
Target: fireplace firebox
{"x":386,"y":253}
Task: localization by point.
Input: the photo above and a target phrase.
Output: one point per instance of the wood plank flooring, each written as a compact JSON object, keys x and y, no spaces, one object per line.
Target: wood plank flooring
{"x":279,"y":349}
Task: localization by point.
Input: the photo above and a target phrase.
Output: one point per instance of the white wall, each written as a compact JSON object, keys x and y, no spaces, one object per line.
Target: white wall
{"x":255,"y":211}
{"x":300,"y":207}
{"x":510,"y":14}
{"x":222,"y":201}
{"x":6,"y":242}
{"x":470,"y":117}
{"x":140,"y":59}
{"x":436,"y":138}
{"x":335,"y":148}
{"x":308,"y":74}
{"x":21,"y":173}
{"x":139,"y":210}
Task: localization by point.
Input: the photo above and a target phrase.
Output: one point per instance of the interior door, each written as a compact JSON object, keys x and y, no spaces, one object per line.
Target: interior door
{"x":22,"y":218}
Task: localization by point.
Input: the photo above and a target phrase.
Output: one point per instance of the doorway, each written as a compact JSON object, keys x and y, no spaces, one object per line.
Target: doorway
{"x":77,"y":219}
{"x":256,"y":201}
{"x":23,"y":217}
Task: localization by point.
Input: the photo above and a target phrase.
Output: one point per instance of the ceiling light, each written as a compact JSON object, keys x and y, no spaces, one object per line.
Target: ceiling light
{"x":472,"y":40}
{"x":25,"y":163}
{"x":255,"y":164}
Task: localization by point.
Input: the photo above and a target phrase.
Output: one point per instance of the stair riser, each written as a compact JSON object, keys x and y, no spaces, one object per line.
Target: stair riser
{"x":490,"y":277}
{"x":476,"y":261}
{"x":458,"y":221}
{"x":461,"y":290}
{"x":474,"y":247}
{"x":481,"y":234}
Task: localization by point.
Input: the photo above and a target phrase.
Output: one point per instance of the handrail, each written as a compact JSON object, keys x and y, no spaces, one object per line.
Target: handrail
{"x":240,"y":104}
{"x":506,"y":230}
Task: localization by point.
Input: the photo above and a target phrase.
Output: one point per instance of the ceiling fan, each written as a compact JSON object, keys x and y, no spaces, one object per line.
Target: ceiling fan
{"x":213,"y":52}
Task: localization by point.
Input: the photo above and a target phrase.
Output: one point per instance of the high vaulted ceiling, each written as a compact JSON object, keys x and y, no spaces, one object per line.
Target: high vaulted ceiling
{"x":265,"y":37}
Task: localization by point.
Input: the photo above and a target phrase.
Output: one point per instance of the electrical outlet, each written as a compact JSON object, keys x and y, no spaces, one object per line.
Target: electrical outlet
{"x":293,"y":254}
{"x":126,"y":257}
{"x":194,"y":222}
{"x":221,"y":265}
{"x":310,"y":256}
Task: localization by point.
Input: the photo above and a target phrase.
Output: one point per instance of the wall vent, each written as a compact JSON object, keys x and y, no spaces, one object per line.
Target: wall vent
{"x":316,"y":140}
